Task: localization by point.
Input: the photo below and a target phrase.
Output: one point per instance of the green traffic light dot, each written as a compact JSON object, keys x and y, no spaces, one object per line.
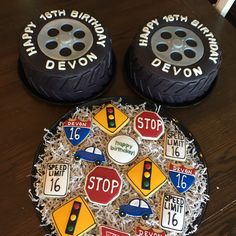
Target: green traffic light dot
{"x":146,"y":183}
{"x":111,"y":123}
{"x":70,"y":228}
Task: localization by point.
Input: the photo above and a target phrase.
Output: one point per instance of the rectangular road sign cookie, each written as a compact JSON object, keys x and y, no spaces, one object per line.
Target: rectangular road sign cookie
{"x":56,"y":180}
{"x":175,"y":145}
{"x":172,"y":212}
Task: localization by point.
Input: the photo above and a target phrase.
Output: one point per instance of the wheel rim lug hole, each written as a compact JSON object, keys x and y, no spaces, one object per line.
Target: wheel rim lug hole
{"x":53,"y":32}
{"x":166,"y":35}
{"x":162,"y":47}
{"x":79,"y":34}
{"x":189,"y":53}
{"x":66,"y":27}
{"x":180,"y":33}
{"x":51,"y":45}
{"x":191,"y":43}
{"x":65,"y":52}
{"x":78,"y":46}
{"x":176,"y":56}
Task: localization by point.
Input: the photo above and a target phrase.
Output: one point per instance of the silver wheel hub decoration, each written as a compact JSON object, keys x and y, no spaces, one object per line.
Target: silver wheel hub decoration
{"x":65,"y":39}
{"x":177,"y":45}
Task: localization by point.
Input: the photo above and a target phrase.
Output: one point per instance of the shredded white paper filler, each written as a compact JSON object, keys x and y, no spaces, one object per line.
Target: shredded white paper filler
{"x":58,"y":150}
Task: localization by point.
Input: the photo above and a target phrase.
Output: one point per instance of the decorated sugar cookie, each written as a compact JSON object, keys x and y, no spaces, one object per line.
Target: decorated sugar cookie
{"x":149,"y":125}
{"x":90,"y":154}
{"x":56,"y":180}
{"x":73,"y":218}
{"x":146,"y":231}
{"x":76,"y":130}
{"x":146,"y":177}
{"x":175,"y":145}
{"x":111,"y":119}
{"x":182,"y":176}
{"x":108,"y":231}
{"x":137,"y":208}
{"x":122,"y":149}
{"x":172,"y":212}
{"x":103,"y":185}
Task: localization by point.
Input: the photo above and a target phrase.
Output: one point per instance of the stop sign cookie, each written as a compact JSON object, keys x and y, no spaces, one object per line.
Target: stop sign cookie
{"x":103,"y":185}
{"x":149,"y":125}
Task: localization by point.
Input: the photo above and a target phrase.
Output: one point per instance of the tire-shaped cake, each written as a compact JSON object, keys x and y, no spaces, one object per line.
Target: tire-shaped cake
{"x":174,"y":60}
{"x":121,"y":166}
{"x":66,"y":56}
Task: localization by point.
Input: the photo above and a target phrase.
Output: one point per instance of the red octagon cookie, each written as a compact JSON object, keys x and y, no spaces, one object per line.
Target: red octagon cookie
{"x":149,"y":125}
{"x":103,"y":185}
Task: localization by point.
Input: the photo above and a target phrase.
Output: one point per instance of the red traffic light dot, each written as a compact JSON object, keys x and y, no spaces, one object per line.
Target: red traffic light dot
{"x":148,"y":166}
{"x":110,"y":110}
{"x":76,"y":206}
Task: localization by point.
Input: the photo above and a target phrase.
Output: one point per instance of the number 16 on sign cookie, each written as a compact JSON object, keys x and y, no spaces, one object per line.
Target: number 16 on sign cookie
{"x":74,"y":133}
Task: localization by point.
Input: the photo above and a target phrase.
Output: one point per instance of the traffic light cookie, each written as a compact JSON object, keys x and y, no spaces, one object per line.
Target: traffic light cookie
{"x":146,"y":177}
{"x":110,"y":119}
{"x":73,"y":218}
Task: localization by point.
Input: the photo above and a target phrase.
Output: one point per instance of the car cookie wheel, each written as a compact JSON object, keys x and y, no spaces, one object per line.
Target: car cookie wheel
{"x":66,"y":56}
{"x":174,"y":60}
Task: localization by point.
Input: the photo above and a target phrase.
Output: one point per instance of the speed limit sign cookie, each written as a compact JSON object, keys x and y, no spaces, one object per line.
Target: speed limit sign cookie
{"x":172,"y":212}
{"x":66,"y":56}
{"x":56,"y":180}
{"x":175,"y":145}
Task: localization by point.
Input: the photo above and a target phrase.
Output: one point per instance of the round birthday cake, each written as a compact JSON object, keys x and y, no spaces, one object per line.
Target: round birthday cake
{"x":119,"y":167}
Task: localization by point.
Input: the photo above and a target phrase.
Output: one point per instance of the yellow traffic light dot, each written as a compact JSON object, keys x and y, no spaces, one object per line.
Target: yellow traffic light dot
{"x":73,"y":217}
{"x":146,"y":174}
{"x":111,"y":117}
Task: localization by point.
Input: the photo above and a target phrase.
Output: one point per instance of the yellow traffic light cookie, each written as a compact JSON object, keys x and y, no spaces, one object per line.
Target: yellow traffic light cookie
{"x":146,"y":177}
{"x":73,"y":218}
{"x":110,"y":119}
